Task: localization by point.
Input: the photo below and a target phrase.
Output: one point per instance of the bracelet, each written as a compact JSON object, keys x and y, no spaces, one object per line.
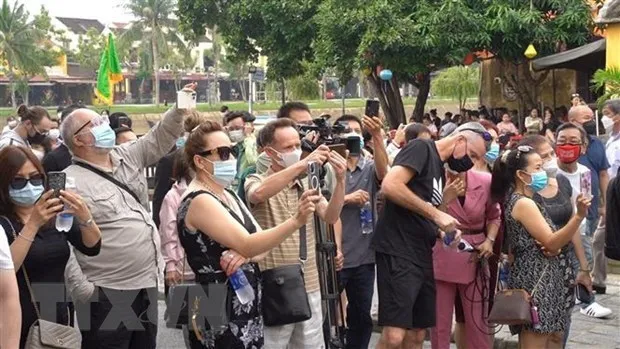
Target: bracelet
{"x":585,"y":270}
{"x":25,"y":238}
{"x":491,"y":239}
{"x":87,"y":223}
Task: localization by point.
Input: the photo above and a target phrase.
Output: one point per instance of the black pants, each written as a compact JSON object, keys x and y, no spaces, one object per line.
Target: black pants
{"x":118,"y":319}
{"x":359,"y":283}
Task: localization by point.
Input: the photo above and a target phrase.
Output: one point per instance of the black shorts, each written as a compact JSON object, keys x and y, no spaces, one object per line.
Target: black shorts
{"x":406,"y":293}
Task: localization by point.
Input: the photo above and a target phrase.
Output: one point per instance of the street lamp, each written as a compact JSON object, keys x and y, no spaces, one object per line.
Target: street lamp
{"x":251,"y":71}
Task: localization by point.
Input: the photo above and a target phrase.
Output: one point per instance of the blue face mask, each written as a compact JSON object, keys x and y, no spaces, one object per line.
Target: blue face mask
{"x":492,"y":154}
{"x":224,"y":172}
{"x":26,"y":196}
{"x":539,"y":181}
{"x":104,"y":136}
{"x":180,"y":142}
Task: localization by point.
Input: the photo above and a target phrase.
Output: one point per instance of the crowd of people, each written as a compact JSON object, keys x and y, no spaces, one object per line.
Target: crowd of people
{"x":232,"y":206}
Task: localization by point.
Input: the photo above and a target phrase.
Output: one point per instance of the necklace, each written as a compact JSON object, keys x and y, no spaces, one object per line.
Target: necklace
{"x":222,"y":196}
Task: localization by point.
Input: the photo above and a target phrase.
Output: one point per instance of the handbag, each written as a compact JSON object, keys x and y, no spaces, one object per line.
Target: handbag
{"x":514,"y":306}
{"x":45,"y":334}
{"x":285,"y":300}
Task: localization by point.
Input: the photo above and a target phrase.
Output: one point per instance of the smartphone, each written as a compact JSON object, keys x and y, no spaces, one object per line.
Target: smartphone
{"x":186,"y":100}
{"x":583,"y":294}
{"x":372,"y":108}
{"x":353,"y":145}
{"x":339,"y":148}
{"x":56,"y":181}
{"x":586,"y":184}
{"x":314,"y":176}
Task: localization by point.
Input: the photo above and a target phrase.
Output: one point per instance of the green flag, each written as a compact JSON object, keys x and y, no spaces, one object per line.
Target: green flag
{"x":109,"y":73}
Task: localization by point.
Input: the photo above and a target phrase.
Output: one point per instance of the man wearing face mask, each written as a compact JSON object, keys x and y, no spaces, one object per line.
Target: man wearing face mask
{"x":273,"y":197}
{"x":611,"y":121}
{"x":59,"y":158}
{"x":240,"y":131}
{"x":32,"y":129}
{"x":596,"y":161}
{"x":357,"y":277}
{"x":409,"y":228}
{"x":111,"y":181}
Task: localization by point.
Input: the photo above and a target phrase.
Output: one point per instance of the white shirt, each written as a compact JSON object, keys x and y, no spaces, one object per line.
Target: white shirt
{"x":11,"y":137}
{"x":612,"y":150}
{"x":575,"y":183}
{"x":6,"y":261}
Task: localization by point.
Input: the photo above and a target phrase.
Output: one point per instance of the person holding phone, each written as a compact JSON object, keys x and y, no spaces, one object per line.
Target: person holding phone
{"x":27,"y":213}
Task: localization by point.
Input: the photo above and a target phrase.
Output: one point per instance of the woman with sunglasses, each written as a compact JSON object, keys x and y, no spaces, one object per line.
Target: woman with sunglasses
{"x":220,"y":236}
{"x":27,"y":217}
{"x":517,"y":176}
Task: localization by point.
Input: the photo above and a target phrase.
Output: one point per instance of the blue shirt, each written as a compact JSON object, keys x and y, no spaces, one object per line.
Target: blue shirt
{"x":596,"y":160}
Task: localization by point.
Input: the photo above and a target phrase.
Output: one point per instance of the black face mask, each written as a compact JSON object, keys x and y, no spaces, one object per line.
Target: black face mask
{"x":38,"y":138}
{"x":461,"y":165}
{"x":590,"y":127}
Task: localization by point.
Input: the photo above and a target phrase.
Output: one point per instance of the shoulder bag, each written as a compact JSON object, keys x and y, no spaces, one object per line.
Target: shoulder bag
{"x":45,"y":334}
{"x":514,"y":306}
{"x":285,"y":300}
{"x":109,"y":178}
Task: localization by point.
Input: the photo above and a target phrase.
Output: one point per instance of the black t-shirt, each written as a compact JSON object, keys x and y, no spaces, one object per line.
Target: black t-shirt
{"x":559,"y":208}
{"x":401,"y":232}
{"x":58,"y":159}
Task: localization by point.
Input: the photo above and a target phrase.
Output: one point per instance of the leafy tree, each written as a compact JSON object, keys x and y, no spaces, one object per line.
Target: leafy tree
{"x":90,"y":47}
{"x":180,"y":61}
{"x":411,"y":38}
{"x":238,"y":71}
{"x":303,"y":87}
{"x":457,"y":83}
{"x":280,"y":30}
{"x":608,"y":82}
{"x":153,"y":24}
{"x":550,"y":25}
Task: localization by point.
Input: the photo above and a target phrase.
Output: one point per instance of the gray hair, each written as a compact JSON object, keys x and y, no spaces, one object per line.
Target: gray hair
{"x":67,"y":129}
{"x":472,"y":129}
{"x":613,"y":105}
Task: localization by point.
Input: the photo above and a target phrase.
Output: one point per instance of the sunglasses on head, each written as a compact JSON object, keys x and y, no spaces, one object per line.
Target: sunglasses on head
{"x":20,"y":182}
{"x":223,"y":152}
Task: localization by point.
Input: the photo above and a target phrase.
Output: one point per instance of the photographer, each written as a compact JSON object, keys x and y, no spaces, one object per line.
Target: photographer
{"x":363,"y":183}
{"x":273,"y":197}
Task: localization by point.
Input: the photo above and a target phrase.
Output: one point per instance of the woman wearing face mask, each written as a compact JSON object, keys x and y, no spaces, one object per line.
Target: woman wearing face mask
{"x":209,"y":243}
{"x":26,"y":217}
{"x":517,"y":176}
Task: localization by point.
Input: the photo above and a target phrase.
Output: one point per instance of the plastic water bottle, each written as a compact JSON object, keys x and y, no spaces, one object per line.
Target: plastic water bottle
{"x":242,"y":287}
{"x":449,"y":237}
{"x":64,"y":221}
{"x":504,"y":273}
{"x":366,"y":218}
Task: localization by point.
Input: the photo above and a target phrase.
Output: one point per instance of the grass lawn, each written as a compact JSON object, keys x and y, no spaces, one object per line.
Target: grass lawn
{"x":204,"y":107}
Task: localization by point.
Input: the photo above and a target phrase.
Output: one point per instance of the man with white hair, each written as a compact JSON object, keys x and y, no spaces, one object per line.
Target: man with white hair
{"x":125,"y":274}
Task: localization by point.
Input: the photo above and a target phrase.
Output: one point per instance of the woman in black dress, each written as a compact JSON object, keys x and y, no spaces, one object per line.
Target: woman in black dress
{"x":517,"y":176}
{"x":27,"y":217}
{"x":220,"y":236}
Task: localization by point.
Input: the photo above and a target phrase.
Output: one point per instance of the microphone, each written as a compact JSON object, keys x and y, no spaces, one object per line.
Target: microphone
{"x":465,"y":246}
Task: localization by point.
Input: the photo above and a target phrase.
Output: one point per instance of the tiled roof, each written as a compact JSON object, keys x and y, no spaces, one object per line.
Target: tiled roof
{"x":81,"y":25}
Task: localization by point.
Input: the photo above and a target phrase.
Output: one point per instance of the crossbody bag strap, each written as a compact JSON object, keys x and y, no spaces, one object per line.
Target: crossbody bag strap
{"x":109,"y":178}
{"x":32,"y":299}
{"x":540,"y":279}
{"x":303,"y":248}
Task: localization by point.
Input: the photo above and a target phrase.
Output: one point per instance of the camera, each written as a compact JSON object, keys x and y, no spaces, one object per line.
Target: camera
{"x":331,"y":135}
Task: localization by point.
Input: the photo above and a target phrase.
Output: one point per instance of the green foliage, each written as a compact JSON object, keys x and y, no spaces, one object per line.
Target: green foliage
{"x":607,"y":81}
{"x":280,"y":30}
{"x":457,"y":83}
{"x":90,"y":48}
{"x":303,"y":87}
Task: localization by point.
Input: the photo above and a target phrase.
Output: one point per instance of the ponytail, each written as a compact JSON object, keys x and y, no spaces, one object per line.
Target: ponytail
{"x":504,"y":175}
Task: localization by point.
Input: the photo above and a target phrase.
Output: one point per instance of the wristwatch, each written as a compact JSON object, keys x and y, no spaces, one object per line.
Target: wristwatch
{"x":87,"y":223}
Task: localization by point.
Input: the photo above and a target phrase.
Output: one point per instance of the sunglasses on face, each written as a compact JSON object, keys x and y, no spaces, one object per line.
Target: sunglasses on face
{"x":223,"y":152}
{"x":20,"y":182}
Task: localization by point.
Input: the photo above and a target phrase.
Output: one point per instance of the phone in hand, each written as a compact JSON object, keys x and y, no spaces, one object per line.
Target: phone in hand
{"x":186,"y":99}
{"x":314,"y":176}
{"x":583,"y":294}
{"x":339,"y":148}
{"x":372,"y":108}
{"x":586,"y":184}
{"x":56,"y":181}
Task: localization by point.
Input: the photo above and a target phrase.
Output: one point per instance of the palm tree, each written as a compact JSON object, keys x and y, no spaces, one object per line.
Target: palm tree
{"x":153,"y":24}
{"x":607,"y":81}
{"x":17,"y":43}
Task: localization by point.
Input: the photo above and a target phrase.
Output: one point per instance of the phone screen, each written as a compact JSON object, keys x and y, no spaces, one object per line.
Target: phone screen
{"x":56,"y":181}
{"x":372,"y":108}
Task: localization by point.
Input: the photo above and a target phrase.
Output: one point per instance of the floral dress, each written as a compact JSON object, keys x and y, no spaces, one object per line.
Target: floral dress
{"x":554,"y":295}
{"x":245,"y":327}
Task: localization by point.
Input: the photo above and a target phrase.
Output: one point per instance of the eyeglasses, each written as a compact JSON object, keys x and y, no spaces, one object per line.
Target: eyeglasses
{"x":223,"y":152}
{"x":20,"y":182}
{"x":569,"y":143}
{"x":96,"y":121}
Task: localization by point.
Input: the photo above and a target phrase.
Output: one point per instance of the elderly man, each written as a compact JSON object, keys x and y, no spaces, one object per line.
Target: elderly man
{"x":124,"y":275}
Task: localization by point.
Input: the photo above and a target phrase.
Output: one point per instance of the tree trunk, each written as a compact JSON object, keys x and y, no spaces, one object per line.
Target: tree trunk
{"x":216,"y":59}
{"x":390,"y":99}
{"x":283,"y":91}
{"x":424,"y":87}
{"x":155,"y":65}
{"x":12,"y":83}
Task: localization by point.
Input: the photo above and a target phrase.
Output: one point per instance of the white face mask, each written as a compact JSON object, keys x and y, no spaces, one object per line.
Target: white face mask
{"x":236,"y":136}
{"x":551,"y":167}
{"x":12,"y":124}
{"x":608,"y":123}
{"x":289,"y":159}
{"x":54,"y":133}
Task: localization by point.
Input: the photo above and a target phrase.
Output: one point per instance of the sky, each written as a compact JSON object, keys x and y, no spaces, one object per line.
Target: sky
{"x":104,"y":10}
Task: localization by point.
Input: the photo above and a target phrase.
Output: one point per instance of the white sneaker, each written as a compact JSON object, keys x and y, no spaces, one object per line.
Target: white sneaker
{"x":596,"y":310}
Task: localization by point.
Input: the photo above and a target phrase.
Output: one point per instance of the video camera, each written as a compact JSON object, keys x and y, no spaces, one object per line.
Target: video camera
{"x":331,"y":136}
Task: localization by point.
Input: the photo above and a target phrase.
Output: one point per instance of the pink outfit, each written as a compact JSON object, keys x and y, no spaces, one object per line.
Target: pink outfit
{"x":507,"y":127}
{"x":456,"y":271}
{"x":171,"y":247}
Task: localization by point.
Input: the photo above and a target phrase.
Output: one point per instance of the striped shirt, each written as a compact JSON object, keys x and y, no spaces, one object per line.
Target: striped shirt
{"x":275,"y":211}
{"x":12,"y":138}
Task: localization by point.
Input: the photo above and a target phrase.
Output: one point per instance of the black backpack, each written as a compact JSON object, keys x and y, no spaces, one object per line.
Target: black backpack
{"x":612,"y":221}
